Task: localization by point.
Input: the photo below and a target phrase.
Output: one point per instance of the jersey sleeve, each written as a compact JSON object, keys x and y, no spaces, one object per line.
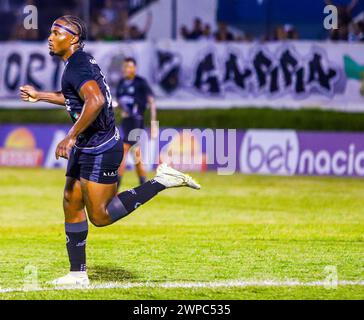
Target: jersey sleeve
{"x":81,"y":73}
{"x":147,"y":89}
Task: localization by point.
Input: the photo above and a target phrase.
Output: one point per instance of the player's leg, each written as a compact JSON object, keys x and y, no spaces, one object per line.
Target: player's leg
{"x":98,"y":176}
{"x":104,"y":208}
{"x":98,"y":183}
{"x":96,"y":197}
{"x":139,"y":166}
{"x":76,"y":226}
{"x":121,"y":169}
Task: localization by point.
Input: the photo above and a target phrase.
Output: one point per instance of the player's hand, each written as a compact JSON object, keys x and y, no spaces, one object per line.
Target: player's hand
{"x":64,"y":147}
{"x":154,"y":130}
{"x":29,"y":94}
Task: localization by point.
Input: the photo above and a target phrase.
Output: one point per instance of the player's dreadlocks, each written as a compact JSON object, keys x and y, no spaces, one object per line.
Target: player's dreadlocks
{"x":79,"y":25}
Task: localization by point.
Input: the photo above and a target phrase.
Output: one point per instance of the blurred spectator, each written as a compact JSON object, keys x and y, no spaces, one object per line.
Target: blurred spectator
{"x":284,"y":32}
{"x":109,"y":12}
{"x":121,"y":31}
{"x":243,"y":37}
{"x":222,"y":33}
{"x":207,"y":33}
{"x":361,"y":31}
{"x":356,"y":31}
{"x":18,"y":31}
{"x":290,"y":32}
{"x":184,"y":32}
{"x":136,"y":34}
{"x":110,"y":22}
{"x":197,"y":30}
{"x":344,"y":20}
{"x":196,"y":33}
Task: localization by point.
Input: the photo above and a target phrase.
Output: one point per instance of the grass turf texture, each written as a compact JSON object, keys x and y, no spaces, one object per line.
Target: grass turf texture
{"x":243,"y":118}
{"x":235,"y":228}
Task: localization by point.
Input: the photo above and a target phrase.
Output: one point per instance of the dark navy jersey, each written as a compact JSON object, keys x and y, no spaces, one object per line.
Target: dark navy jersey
{"x":133,"y":95}
{"x":101,"y":134}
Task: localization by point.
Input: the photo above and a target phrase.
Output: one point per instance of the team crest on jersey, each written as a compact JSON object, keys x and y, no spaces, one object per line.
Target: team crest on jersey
{"x":93,"y":61}
{"x":75,"y":115}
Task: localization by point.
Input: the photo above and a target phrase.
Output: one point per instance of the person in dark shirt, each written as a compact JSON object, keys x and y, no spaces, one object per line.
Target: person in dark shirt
{"x":344,"y":19}
{"x":134,"y":96}
{"x":197,"y":30}
{"x":93,"y":148}
{"x":222,"y":33}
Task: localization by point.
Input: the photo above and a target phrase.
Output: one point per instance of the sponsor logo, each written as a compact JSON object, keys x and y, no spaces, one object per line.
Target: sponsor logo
{"x":269,"y":152}
{"x":20,"y":149}
{"x":110,"y":173}
{"x":342,"y":162}
{"x":81,"y":244}
{"x":132,"y":191}
{"x":280,"y":153}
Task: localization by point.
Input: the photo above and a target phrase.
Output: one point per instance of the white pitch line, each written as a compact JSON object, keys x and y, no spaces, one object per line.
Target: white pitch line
{"x":189,"y":285}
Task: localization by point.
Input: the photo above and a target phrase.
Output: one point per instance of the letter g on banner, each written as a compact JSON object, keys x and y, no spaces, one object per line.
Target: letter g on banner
{"x":269,"y":152}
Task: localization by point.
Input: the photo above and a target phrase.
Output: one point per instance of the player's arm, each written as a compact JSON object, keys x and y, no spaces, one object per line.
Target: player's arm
{"x":94,"y":100}
{"x":30,"y":94}
{"x":153,"y":116}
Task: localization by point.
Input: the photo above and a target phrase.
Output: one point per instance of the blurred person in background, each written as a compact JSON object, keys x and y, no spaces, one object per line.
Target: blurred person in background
{"x":109,"y":11}
{"x":284,"y":32}
{"x":134,"y":96}
{"x":207,"y":33}
{"x":222,"y":33}
{"x":360,"y":31}
{"x":344,"y":20}
{"x":290,"y":32}
{"x":197,"y":30}
{"x":19,"y":32}
{"x":184,"y":32}
{"x":134,"y":33}
{"x":110,"y":22}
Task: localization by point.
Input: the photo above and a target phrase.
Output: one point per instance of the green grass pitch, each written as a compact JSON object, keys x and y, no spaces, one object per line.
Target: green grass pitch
{"x":247,"y":228}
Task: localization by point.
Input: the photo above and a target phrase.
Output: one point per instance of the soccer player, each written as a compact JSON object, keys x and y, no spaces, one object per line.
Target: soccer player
{"x":93,"y":148}
{"x":134,"y":95}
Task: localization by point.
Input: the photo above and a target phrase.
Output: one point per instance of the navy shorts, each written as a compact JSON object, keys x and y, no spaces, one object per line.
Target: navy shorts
{"x":100,"y":168}
{"x":129,"y":124}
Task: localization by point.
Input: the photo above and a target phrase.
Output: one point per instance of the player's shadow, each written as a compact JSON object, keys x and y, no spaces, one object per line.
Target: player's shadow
{"x":109,"y":274}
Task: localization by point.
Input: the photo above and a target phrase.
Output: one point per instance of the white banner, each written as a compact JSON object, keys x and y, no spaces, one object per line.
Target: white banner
{"x":202,"y":74}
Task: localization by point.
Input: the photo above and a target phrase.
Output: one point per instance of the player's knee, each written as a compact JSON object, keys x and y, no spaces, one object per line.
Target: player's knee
{"x":67,"y":196}
{"x":99,"y":221}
